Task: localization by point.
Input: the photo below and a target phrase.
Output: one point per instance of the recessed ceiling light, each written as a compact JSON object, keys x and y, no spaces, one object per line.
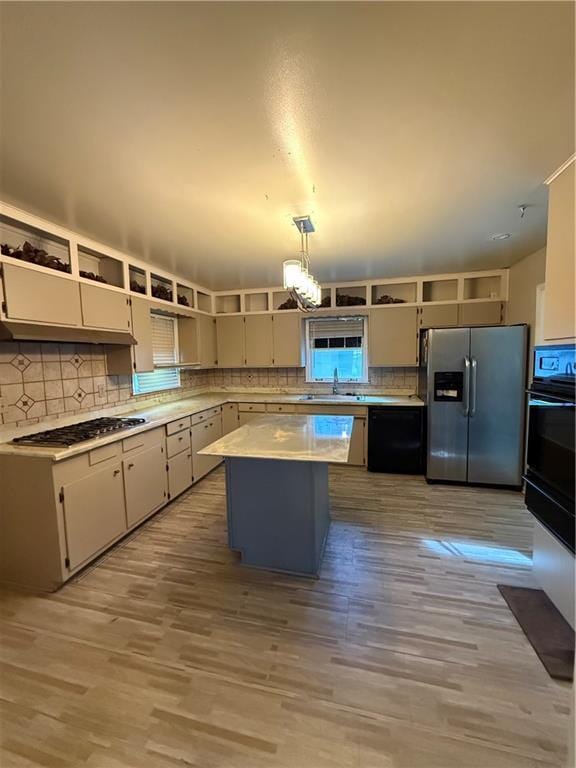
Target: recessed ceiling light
{"x":503,"y":236}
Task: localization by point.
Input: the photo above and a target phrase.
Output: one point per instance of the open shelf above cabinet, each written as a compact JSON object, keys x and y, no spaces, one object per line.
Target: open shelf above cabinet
{"x":137,"y":278}
{"x":394,"y":293}
{"x":204,"y":301}
{"x":184,"y":295}
{"x":283,"y":301}
{"x":256,"y":302}
{"x":440,"y":290}
{"x":100,"y":268}
{"x":30,"y":245}
{"x":485,"y":287}
{"x":227,"y":304}
{"x":161,"y":288}
{"x":351,"y":296}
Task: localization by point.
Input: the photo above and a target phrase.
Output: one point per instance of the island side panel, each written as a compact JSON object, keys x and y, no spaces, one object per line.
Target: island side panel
{"x":278,"y":513}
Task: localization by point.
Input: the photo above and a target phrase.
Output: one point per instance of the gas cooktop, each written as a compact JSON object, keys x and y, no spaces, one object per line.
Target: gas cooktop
{"x":78,"y":433}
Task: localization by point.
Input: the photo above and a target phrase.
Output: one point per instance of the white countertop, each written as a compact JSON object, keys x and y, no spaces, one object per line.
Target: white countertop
{"x":159,"y":415}
{"x":288,"y":437}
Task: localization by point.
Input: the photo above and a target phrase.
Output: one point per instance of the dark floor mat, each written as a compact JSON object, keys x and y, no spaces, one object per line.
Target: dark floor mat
{"x":547,"y":630}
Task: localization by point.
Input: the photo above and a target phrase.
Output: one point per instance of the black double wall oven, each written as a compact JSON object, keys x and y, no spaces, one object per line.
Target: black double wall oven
{"x":550,"y":473}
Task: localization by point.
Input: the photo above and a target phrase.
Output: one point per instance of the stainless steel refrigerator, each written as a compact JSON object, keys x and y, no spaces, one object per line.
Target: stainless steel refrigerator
{"x":474,"y":380}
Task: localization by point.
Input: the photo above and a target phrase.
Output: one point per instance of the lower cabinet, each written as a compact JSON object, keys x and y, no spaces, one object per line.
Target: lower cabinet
{"x":179,"y":473}
{"x":94,"y":513}
{"x":202,"y":435}
{"x":230,"y":420}
{"x":249,"y":411}
{"x":144,"y":483}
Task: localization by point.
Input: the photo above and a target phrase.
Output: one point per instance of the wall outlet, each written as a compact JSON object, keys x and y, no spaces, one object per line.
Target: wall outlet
{"x":101,"y":389}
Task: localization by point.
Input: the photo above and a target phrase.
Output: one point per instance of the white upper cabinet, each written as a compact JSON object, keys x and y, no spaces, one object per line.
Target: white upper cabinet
{"x":559,"y":324}
{"x":393,"y":337}
{"x":103,"y":308}
{"x":230,"y":341}
{"x":258,"y":341}
{"x":288,"y":340}
{"x":41,"y":297}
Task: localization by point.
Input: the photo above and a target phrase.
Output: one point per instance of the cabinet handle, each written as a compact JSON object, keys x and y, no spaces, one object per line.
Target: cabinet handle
{"x":205,"y":426}
{"x":180,"y":439}
{"x":116,"y":472}
{"x":188,"y":455}
{"x":130,"y":466}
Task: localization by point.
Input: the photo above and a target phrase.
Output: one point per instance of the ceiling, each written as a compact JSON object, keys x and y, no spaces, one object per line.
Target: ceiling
{"x":189,"y":134}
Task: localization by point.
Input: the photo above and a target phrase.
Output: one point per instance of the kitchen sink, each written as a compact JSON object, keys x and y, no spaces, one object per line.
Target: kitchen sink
{"x":336,"y":398}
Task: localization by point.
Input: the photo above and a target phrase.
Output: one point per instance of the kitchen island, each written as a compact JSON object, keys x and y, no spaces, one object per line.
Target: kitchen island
{"x":277,"y":488}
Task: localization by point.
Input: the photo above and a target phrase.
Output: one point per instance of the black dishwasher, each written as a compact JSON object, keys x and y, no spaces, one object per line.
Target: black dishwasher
{"x":396,"y":439}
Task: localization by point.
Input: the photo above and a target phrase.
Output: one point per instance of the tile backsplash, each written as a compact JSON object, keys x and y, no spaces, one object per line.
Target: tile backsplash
{"x":45,"y":381}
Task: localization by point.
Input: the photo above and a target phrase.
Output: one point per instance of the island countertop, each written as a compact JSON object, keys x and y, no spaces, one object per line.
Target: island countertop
{"x":288,"y":437}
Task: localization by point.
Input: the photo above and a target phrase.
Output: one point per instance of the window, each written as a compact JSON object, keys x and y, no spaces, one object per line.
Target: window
{"x":336,"y":343}
{"x":164,"y":352}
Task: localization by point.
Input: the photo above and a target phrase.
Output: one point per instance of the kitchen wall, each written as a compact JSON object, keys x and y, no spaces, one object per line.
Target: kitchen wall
{"x":400,"y":380}
{"x":524,"y":276}
{"x":47,"y":381}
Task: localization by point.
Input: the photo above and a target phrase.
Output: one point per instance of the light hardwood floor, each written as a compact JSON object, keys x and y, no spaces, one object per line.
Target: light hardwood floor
{"x":402,"y":655}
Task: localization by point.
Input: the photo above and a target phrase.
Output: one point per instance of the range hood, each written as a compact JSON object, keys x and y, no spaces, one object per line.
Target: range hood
{"x":14,"y":330}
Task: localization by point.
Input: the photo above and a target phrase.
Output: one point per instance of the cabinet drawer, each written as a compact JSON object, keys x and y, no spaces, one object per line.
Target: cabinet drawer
{"x":107,"y":452}
{"x":178,"y":425}
{"x":281,"y":408}
{"x":177,"y":443}
{"x":143,"y":440}
{"x":211,"y":413}
{"x":252,"y":407}
{"x":179,"y":473}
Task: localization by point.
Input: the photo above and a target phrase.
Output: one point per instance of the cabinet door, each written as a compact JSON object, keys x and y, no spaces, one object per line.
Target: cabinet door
{"x":244,"y":417}
{"x":482,"y":313}
{"x":39,"y":297}
{"x":439,"y":316}
{"x":94,"y":513}
{"x":202,"y":435}
{"x":258,"y":341}
{"x":206,"y":341}
{"x":287,"y":341}
{"x":229,"y":418}
{"x":179,"y":473}
{"x":142,"y":332}
{"x":102,"y":308}
{"x":188,"y":339}
{"x":230,"y":342}
{"x":144,"y":483}
{"x":393,"y":336}
{"x":559,"y":306}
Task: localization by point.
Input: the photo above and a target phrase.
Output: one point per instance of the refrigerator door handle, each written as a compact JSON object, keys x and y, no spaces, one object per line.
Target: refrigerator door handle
{"x":466,"y":385}
{"x":474,"y":365}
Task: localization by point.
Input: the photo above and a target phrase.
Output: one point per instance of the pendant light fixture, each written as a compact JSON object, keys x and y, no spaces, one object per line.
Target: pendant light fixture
{"x":303,"y":288}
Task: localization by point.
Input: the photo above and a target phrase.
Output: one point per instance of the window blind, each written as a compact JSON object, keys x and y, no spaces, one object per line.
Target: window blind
{"x":164,"y":353}
{"x":336,"y":332}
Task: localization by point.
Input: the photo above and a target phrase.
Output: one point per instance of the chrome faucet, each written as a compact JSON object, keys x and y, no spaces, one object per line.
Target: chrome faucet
{"x":335,"y":382}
